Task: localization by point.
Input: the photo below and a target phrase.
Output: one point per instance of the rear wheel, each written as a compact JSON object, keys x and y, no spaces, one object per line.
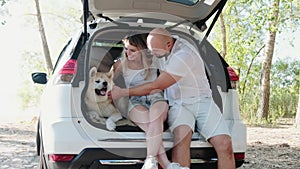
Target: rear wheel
{"x":42,"y":164}
{"x":38,"y":139}
{"x":42,"y":161}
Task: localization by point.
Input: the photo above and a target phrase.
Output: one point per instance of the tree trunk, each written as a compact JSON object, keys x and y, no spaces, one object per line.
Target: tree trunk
{"x":263,"y":107}
{"x":297,"y":122}
{"x":223,"y":33}
{"x":48,"y":61}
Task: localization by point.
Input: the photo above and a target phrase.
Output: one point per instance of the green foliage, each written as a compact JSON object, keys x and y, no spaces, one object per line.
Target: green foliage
{"x":246,"y":26}
{"x":284,"y":88}
{"x":248,"y":106}
{"x":3,"y":2}
{"x":284,"y":92}
{"x":29,"y":92}
{"x":283,"y":102}
{"x":31,"y":96}
{"x":61,"y":21}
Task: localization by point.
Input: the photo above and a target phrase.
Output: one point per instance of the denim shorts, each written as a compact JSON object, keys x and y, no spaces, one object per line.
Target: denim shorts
{"x":204,"y":114}
{"x":146,"y":101}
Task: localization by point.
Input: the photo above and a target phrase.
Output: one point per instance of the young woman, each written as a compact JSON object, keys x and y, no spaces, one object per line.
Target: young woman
{"x":148,"y":112}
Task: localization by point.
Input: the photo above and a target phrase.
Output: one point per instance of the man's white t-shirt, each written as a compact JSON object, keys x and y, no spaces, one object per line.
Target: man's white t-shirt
{"x":185,"y":61}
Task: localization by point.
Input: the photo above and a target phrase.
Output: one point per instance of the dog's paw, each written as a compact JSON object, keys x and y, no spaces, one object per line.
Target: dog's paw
{"x":96,"y":118}
{"x":93,"y":115}
{"x":110,"y":125}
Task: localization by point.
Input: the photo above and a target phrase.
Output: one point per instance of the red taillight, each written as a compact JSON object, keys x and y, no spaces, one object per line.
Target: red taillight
{"x":232,"y":75}
{"x":69,"y":68}
{"x":239,"y":156}
{"x":61,"y":157}
{"x":234,"y":78}
{"x":67,"y":72}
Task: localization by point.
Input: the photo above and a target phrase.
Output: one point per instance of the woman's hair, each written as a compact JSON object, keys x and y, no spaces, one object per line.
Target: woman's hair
{"x":139,"y":41}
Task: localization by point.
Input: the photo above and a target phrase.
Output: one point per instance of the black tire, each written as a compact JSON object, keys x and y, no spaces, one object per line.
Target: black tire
{"x":40,"y":148}
{"x":42,"y":163}
{"x":38,"y":139}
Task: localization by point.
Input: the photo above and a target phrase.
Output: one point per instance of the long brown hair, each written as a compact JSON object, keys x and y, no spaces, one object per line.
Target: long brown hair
{"x":139,"y":41}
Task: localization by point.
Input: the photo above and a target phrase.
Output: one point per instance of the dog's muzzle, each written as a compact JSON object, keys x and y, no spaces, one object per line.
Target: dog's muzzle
{"x":102,"y":91}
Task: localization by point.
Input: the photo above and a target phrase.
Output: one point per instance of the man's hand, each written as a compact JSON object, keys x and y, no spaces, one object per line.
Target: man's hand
{"x":117,"y":93}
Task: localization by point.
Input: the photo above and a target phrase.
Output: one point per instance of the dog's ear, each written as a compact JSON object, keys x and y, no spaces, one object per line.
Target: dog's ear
{"x":110,"y":74}
{"x":93,"y":72}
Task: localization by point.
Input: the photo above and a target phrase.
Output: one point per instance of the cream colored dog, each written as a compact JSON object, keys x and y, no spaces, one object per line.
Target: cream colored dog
{"x":99,"y":106}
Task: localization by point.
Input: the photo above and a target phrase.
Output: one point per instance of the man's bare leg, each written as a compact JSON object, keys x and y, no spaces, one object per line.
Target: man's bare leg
{"x":181,"y":150}
{"x":223,"y":147}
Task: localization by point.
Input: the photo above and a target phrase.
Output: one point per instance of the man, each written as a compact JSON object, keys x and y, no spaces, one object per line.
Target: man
{"x":187,"y":89}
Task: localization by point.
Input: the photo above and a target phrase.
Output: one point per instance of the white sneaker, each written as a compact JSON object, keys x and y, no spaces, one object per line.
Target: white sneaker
{"x":176,"y":166}
{"x":150,"y":163}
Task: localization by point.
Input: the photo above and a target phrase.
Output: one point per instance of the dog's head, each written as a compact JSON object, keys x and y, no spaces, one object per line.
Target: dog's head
{"x":100,"y":83}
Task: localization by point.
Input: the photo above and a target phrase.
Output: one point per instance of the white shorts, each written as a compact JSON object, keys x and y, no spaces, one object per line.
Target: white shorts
{"x":210,"y":121}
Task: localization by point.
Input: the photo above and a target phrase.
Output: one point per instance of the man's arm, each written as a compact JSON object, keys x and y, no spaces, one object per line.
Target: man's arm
{"x":163,"y":81}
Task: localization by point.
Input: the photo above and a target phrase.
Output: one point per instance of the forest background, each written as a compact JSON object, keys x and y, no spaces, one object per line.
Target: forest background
{"x":258,"y":38}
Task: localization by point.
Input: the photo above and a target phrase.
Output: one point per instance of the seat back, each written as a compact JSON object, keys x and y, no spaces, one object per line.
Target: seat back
{"x":101,"y":58}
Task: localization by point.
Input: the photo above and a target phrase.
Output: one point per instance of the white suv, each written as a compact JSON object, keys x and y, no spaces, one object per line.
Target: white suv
{"x":67,"y":138}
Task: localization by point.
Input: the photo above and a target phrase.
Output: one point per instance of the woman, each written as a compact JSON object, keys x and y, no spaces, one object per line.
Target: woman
{"x":148,"y":112}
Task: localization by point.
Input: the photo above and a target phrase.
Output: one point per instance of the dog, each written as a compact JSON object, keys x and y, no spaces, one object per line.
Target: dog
{"x":100,"y":107}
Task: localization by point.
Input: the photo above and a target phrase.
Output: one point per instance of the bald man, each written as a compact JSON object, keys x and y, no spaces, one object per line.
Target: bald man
{"x":190,"y":98}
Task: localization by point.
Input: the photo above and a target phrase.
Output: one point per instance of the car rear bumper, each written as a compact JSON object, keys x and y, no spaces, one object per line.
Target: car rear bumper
{"x":99,"y":158}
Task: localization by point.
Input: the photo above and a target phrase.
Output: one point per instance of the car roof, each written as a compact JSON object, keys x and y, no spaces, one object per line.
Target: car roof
{"x":191,"y":10}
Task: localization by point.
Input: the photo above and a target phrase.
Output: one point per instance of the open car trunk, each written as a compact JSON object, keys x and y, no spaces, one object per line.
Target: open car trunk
{"x":197,"y":12}
{"x":105,"y":47}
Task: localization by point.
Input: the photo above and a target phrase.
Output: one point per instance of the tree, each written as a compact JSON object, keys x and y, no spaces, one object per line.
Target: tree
{"x":276,"y":19}
{"x":44,"y":39}
{"x":263,"y":107}
{"x":297,"y":122}
{"x":64,"y":24}
{"x":223,"y":34}
{"x":249,"y":37}
{"x":284,"y":89}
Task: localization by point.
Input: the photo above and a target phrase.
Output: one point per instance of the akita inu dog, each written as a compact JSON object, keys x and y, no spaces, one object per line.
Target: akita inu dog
{"x":100,"y":107}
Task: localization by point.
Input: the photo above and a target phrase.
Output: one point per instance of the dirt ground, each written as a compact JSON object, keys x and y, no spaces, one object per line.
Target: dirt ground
{"x":268,"y":148}
{"x":17,"y":146}
{"x":273,"y":148}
